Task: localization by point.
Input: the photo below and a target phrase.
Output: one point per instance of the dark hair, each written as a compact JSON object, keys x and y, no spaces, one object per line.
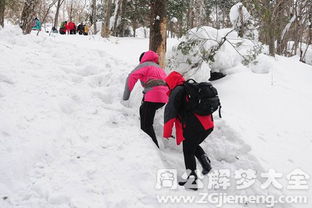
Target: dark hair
{"x":141,"y":56}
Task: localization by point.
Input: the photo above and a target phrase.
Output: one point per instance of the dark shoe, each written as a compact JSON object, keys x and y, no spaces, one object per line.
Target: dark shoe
{"x":205,"y":163}
{"x":190,"y":183}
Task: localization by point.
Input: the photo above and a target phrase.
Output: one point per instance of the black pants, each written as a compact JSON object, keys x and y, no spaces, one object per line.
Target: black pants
{"x":191,"y":149}
{"x":147,"y":115}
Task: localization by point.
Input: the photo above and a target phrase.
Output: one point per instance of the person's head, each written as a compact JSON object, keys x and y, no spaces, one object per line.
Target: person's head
{"x":174,"y":79}
{"x":149,"y":56}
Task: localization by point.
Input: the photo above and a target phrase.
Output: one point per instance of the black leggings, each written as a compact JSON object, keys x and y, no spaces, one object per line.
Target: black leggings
{"x":191,"y":149}
{"x":147,"y":114}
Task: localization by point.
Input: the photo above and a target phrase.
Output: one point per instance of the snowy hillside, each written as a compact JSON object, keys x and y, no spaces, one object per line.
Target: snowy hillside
{"x":67,"y":141}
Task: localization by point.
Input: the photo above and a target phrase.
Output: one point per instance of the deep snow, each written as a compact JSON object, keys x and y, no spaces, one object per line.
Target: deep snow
{"x":67,"y":141}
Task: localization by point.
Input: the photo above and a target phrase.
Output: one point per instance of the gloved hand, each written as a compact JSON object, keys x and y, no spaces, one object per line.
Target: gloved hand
{"x":125,"y":103}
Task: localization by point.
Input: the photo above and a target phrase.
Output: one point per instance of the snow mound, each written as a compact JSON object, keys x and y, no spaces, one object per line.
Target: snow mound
{"x":200,"y":52}
{"x":262,"y":65}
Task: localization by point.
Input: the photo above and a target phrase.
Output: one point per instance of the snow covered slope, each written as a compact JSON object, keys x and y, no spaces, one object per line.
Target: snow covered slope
{"x":66,"y":141}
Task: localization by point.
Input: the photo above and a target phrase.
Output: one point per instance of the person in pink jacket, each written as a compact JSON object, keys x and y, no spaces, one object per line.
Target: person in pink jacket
{"x":155,"y":91}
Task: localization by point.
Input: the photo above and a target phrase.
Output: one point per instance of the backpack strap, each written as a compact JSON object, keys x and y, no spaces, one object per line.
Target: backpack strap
{"x":220,"y":116}
{"x":190,"y":80}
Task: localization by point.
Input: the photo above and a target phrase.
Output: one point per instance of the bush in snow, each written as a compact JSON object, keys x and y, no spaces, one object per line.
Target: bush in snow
{"x":207,"y":49}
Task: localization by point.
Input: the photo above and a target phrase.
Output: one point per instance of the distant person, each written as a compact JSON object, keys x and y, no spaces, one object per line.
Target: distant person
{"x":191,"y":129}
{"x":54,"y":30}
{"x":155,"y":91}
{"x":71,"y":28}
{"x":86,"y":30}
{"x":80,"y":29}
{"x":36,"y":24}
{"x":63,"y":28}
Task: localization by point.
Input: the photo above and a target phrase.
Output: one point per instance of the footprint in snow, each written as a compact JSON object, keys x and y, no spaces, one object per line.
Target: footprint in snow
{"x":99,"y":80}
{"x":6,"y":79}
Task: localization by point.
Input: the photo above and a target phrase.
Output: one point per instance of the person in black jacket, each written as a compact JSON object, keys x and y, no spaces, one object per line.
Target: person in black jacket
{"x":191,"y":129}
{"x":80,"y":29}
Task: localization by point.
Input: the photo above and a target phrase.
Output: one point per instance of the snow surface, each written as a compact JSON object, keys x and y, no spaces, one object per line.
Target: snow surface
{"x":67,"y":141}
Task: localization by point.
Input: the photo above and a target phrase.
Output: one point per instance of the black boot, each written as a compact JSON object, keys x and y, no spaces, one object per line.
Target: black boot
{"x":205,"y":163}
{"x":190,"y":182}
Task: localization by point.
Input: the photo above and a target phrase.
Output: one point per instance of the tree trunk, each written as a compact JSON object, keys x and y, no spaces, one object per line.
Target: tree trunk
{"x":134,"y":26}
{"x":117,"y":14}
{"x":2,"y":8}
{"x":144,"y":28}
{"x":28,"y":15}
{"x":106,"y":23}
{"x":188,"y":15}
{"x":57,"y":13}
{"x":70,"y":13}
{"x":270,"y":27}
{"x":279,"y":16}
{"x":180,"y":26}
{"x":241,"y":30}
{"x":170,"y":28}
{"x":158,"y":29}
{"x":58,"y":6}
{"x":271,"y":39}
{"x":217,"y":17}
{"x":94,"y":19}
{"x":123,"y":18}
{"x":303,"y":55}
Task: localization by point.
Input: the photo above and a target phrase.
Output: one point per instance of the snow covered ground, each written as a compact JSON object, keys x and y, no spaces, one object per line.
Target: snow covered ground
{"x":66,"y":140}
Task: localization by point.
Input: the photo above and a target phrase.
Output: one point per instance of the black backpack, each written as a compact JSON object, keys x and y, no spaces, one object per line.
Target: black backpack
{"x":202,"y":98}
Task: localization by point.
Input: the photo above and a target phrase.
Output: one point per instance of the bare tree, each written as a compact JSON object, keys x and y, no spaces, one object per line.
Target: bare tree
{"x":76,"y":10}
{"x":118,"y":4}
{"x":266,"y":12}
{"x":106,"y":23}
{"x":13,"y":10}
{"x":70,"y":10}
{"x":58,"y":6}
{"x":189,"y":15}
{"x":242,"y":24}
{"x":303,"y":52}
{"x":94,"y":20}
{"x":47,"y":12}
{"x":28,"y":15}
{"x":122,"y":25}
{"x":158,"y":29}
{"x":2,"y":9}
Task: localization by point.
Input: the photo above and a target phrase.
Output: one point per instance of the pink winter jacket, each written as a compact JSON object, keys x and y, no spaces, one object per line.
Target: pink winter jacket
{"x":152,"y":79}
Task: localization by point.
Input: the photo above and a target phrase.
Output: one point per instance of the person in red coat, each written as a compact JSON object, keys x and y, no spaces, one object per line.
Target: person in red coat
{"x":191,"y":129}
{"x":71,"y":28}
{"x":151,"y":76}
